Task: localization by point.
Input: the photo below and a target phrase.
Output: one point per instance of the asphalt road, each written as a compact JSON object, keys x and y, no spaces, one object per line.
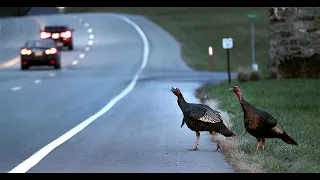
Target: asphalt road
{"x":139,"y":131}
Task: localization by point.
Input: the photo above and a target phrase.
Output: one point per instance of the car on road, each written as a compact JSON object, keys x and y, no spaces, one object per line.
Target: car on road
{"x":42,"y":52}
{"x":62,"y":35}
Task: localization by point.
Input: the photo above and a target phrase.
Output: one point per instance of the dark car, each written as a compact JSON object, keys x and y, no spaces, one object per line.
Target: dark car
{"x":40,"y":53}
{"x":62,"y":35}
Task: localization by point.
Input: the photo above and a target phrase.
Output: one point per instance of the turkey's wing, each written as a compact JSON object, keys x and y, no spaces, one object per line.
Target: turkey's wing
{"x":267,"y":118}
{"x":204,"y":113}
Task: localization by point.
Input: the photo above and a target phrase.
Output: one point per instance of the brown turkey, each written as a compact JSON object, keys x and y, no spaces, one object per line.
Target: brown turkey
{"x":261,"y":124}
{"x":199,"y":117}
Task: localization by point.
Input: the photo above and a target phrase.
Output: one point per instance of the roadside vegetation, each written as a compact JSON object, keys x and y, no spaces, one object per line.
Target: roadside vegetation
{"x":295,"y":103}
{"x":197,"y":28}
{"x":13,"y":11}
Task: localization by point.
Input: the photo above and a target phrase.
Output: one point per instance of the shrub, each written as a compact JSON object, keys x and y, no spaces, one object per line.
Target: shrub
{"x":274,"y":74}
{"x":300,"y":67}
{"x":255,"y":75}
{"x":243,"y":75}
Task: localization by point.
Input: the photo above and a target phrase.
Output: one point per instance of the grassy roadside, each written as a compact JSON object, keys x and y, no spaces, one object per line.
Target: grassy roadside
{"x":296,"y":105}
{"x":197,"y":28}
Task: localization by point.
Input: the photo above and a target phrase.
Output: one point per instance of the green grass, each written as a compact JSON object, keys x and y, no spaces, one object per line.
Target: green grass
{"x":197,"y":28}
{"x":295,"y":103}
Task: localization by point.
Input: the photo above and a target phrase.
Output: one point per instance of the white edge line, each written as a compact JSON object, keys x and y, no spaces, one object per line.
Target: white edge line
{"x":39,"y":155}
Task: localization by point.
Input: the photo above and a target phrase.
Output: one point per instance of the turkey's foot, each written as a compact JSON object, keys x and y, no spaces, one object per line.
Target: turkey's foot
{"x":259,"y":144}
{"x":193,"y":149}
{"x":197,"y":142}
{"x":263,"y":143}
{"x":218,"y":147}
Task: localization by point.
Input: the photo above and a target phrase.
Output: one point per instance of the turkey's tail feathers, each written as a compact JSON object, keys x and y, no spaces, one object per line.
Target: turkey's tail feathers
{"x":225,"y":131}
{"x":286,"y":138}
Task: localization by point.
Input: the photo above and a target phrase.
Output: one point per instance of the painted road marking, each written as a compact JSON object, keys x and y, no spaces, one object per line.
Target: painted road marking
{"x":17,"y":88}
{"x":86,"y":24}
{"x":90,"y":30}
{"x":16,"y":60}
{"x":51,"y":74}
{"x":90,"y":42}
{"x":36,"y":157}
{"x":74,"y":62}
{"x":87,"y":48}
{"x":91,"y":36}
{"x":40,"y":22}
{"x":37,"y":81}
{"x":10,"y":62}
{"x":81,"y":56}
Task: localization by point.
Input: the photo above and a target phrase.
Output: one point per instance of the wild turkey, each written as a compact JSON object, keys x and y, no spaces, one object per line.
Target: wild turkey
{"x":199,"y":117}
{"x":261,"y":124}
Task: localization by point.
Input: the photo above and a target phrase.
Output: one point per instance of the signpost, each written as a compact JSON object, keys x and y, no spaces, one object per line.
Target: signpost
{"x":227,"y":43}
{"x":211,"y":57}
{"x":254,"y":65}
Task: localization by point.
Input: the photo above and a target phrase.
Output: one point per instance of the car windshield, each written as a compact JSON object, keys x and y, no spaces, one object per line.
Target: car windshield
{"x":39,"y":43}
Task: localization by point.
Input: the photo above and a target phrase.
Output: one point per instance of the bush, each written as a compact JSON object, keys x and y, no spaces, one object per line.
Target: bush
{"x":255,"y":75}
{"x":274,"y":74}
{"x":298,"y":67}
{"x":243,"y":75}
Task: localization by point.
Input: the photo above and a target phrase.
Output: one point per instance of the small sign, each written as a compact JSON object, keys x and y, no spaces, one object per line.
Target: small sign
{"x":59,"y":44}
{"x":227,"y":43}
{"x":39,"y":53}
{"x":252,"y":16}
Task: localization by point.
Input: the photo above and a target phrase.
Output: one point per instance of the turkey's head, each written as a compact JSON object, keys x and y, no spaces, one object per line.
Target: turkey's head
{"x":237,"y":91}
{"x":176,"y":91}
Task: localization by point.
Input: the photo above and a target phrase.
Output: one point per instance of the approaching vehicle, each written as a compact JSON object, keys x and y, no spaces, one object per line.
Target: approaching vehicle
{"x":40,"y":53}
{"x":62,"y":35}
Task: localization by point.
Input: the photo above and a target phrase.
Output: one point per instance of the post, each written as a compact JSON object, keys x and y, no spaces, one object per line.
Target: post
{"x":253,"y":17}
{"x":210,"y":58}
{"x":252,"y":45}
{"x":227,"y":44}
{"x":228,"y":63}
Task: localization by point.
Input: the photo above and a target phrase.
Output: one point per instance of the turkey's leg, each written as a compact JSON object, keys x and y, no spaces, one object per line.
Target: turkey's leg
{"x":197,"y":141}
{"x":259,"y":143}
{"x":263,"y":143}
{"x":214,"y":138}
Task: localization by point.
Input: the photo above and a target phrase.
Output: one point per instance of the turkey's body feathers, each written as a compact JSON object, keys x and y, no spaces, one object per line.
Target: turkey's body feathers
{"x":199,"y":117}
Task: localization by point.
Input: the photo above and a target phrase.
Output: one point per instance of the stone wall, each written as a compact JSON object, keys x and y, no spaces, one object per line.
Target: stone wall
{"x":294,"y":32}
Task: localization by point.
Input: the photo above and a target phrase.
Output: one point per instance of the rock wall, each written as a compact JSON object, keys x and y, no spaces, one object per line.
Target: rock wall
{"x":293,"y":32}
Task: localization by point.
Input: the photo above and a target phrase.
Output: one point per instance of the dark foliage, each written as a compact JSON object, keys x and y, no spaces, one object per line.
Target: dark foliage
{"x":297,"y":67}
{"x":13,"y":11}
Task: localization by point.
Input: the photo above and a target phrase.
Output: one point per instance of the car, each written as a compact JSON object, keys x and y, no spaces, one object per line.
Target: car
{"x":62,"y":35}
{"x":42,"y":52}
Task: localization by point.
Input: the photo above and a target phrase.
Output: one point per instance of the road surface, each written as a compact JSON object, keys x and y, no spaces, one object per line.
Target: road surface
{"x":109,"y":109}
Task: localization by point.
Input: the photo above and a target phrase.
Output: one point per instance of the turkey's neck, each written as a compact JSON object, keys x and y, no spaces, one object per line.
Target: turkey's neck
{"x":246,"y":107}
{"x":181,"y":102}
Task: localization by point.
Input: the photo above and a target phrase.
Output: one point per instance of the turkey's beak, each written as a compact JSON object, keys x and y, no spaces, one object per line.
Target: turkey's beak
{"x":230,"y":89}
{"x":172,"y":89}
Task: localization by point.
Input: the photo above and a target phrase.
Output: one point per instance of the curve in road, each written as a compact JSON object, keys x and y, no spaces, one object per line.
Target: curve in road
{"x":141,"y":133}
